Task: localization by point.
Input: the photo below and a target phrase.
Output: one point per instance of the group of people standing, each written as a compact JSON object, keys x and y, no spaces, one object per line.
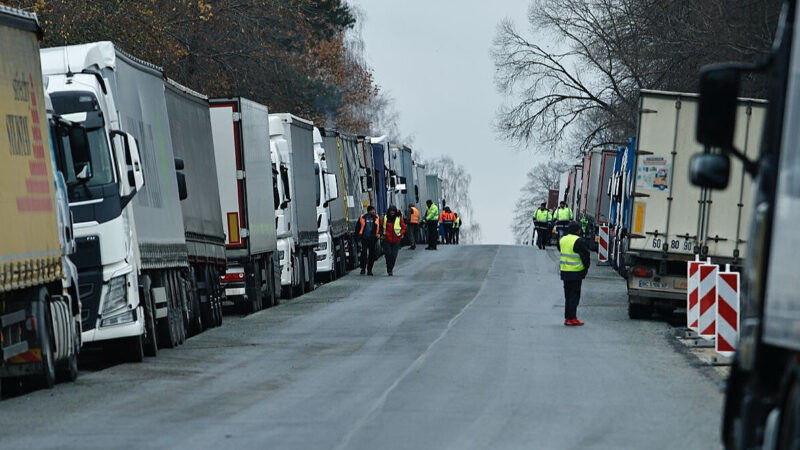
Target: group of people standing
{"x":393,"y":227}
{"x":544,"y":220}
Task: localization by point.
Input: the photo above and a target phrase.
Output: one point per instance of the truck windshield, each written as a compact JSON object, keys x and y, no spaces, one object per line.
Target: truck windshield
{"x":97,"y":158}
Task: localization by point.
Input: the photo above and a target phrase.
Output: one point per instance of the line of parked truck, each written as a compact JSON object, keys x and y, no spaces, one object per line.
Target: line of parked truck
{"x":657,"y":220}
{"x":135,"y":208}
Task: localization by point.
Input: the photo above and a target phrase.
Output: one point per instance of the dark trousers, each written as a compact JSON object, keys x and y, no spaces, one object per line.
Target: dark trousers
{"x":367,"y":254}
{"x":433,"y":233}
{"x":561,"y":226}
{"x":413,"y":229}
{"x":572,"y":296}
{"x":541,"y":234}
{"x":391,"y":250}
{"x":455,"y":235}
{"x":448,"y":233}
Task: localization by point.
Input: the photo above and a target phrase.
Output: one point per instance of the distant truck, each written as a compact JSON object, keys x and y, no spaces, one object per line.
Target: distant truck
{"x":380,"y":173}
{"x":193,"y":143}
{"x":40,"y":334}
{"x":331,"y":226}
{"x":403,"y":177}
{"x":598,"y":166}
{"x":298,"y":234}
{"x":672,"y":220}
{"x":552,"y":199}
{"x":245,"y":182}
{"x":621,"y":188}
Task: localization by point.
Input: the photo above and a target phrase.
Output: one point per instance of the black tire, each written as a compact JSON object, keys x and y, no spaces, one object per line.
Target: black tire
{"x":789,"y":433}
{"x":300,"y":289}
{"x":167,"y":329}
{"x":311,"y":261}
{"x":639,"y":312}
{"x":274,"y":284}
{"x":47,"y":378}
{"x":131,"y":349}
{"x":150,"y":326}
{"x":67,"y":370}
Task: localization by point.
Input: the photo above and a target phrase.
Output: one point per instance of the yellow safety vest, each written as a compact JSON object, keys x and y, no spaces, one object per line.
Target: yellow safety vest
{"x":457,"y":223}
{"x":397,"y":228}
{"x":570,"y":261}
{"x":564,"y":214}
{"x":542,"y":215}
{"x":433,"y":212}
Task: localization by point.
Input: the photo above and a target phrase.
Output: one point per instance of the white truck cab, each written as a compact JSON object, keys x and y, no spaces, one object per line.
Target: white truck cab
{"x":283,"y":218}
{"x":327,"y":191}
{"x":100,"y":191}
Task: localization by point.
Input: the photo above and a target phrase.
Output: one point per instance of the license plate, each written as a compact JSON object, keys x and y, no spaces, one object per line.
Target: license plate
{"x":653,"y":284}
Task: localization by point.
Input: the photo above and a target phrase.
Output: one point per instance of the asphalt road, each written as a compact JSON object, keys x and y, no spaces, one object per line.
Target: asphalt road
{"x":463,"y":348}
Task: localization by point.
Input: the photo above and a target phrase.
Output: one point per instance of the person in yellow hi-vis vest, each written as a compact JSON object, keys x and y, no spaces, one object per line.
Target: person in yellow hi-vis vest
{"x":574,"y":265}
{"x":542,"y":218}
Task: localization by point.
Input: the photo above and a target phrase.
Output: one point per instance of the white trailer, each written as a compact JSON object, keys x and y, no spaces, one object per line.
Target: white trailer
{"x":671,"y":219}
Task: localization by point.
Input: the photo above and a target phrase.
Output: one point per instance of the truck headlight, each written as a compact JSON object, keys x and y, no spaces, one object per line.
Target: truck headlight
{"x":117,"y":295}
{"x":119,"y":319}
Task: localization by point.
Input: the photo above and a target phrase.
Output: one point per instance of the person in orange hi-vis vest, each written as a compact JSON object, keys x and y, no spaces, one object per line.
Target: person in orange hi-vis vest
{"x":413,"y":225}
{"x":369,"y":230}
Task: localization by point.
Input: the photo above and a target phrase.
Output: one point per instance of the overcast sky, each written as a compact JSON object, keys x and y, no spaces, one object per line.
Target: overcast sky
{"x":432,"y":56}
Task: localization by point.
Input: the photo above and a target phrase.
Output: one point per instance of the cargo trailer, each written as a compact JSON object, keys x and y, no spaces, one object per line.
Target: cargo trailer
{"x":673,"y":221}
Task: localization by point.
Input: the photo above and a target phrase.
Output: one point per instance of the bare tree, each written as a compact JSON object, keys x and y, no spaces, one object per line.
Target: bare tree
{"x":573,"y":81}
{"x":538,"y":181}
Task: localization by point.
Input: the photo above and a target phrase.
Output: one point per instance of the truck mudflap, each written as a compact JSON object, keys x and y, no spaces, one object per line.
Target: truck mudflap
{"x":13,"y":339}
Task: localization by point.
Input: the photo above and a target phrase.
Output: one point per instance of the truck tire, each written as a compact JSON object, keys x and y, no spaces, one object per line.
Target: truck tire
{"x":311,"y":261}
{"x":789,"y":432}
{"x":47,"y":378}
{"x":150,"y":328}
{"x":67,"y":370}
{"x":218,"y":295}
{"x":167,"y":327}
{"x":639,"y":312}
{"x":131,"y":349}
{"x":300,"y":288}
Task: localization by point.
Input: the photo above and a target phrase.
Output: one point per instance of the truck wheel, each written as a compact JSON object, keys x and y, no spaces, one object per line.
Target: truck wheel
{"x":47,"y":377}
{"x":68,"y":369}
{"x":150,"y":329}
{"x":311,"y":264}
{"x":132,"y":349}
{"x":167,"y":330}
{"x":789,"y":434}
{"x":300,"y":279}
{"x":638,"y":312}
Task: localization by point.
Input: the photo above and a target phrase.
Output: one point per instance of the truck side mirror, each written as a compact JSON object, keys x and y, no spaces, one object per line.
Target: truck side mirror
{"x":178,"y":163}
{"x":133,"y":169}
{"x":333,"y":186}
{"x":182,"y":193}
{"x":709,"y":170}
{"x":716,"y":114}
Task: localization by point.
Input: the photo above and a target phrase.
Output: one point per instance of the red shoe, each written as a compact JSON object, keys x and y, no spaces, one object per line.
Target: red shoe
{"x":576,"y":322}
{"x":568,"y":322}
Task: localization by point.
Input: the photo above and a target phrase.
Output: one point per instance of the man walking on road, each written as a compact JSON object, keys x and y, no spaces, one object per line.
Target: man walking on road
{"x":574,"y":265}
{"x":562,"y":216}
{"x":394,"y":227}
{"x":413,"y":225}
{"x":369,"y":231}
{"x":541,"y":223}
{"x":432,"y":222}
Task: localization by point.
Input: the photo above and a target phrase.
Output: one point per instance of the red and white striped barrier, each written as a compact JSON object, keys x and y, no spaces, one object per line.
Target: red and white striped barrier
{"x":707,"y":294}
{"x":602,"y":247}
{"x":727,"y":316}
{"x":692,"y":295}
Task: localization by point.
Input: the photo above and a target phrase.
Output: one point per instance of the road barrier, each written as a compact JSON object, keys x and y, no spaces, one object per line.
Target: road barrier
{"x":707,"y":294}
{"x":692,"y":297}
{"x":602,"y":247}
{"x":727,"y":316}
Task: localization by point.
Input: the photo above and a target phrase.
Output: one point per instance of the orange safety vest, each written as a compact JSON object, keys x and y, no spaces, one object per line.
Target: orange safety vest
{"x":447,"y":217}
{"x":414,"y":215}
{"x":377,"y":226}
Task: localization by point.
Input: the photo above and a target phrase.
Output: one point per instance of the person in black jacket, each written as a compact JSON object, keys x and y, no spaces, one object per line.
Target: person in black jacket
{"x":575,"y":263}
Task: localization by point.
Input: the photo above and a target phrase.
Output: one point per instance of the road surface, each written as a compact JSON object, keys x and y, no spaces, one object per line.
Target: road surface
{"x":463,"y":348}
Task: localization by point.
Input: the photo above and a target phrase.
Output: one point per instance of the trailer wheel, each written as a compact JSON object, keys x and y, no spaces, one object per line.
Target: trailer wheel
{"x":167,"y":328}
{"x":311,"y":262}
{"x":47,"y":377}
{"x":300,"y":270}
{"x":68,"y":369}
